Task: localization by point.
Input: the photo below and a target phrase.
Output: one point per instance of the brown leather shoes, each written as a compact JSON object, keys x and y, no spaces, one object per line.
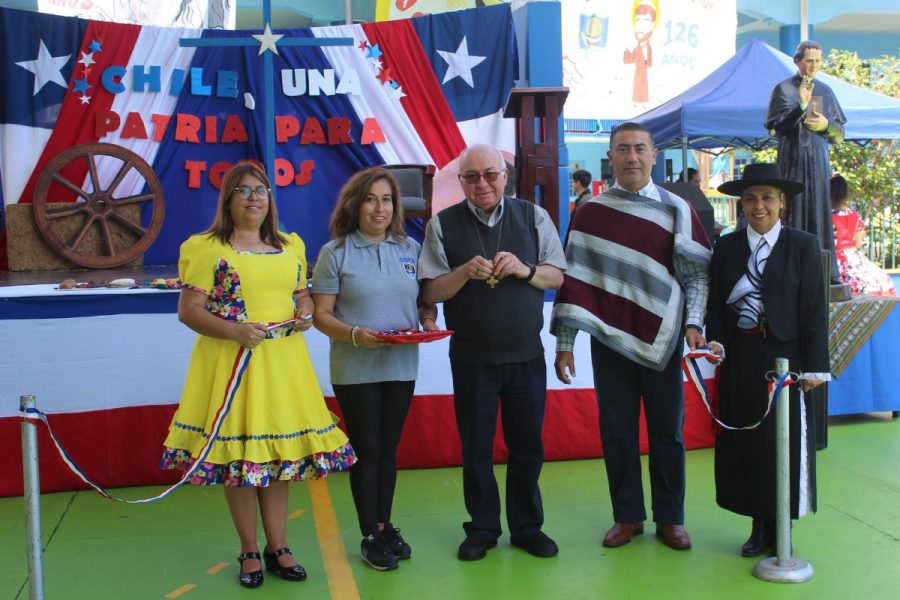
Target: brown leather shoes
{"x":621,"y":534}
{"x":673,"y":536}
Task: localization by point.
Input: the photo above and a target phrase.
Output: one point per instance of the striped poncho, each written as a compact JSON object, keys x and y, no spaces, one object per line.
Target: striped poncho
{"x":627,"y":257}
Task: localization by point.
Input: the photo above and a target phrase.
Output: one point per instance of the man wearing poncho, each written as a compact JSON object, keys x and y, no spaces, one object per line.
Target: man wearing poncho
{"x":636,"y":280}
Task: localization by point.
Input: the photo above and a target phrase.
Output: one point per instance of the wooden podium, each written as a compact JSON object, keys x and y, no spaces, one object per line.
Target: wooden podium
{"x":537,"y":111}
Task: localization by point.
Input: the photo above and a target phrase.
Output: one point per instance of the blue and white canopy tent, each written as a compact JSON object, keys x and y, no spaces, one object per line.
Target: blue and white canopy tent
{"x":727,"y":109}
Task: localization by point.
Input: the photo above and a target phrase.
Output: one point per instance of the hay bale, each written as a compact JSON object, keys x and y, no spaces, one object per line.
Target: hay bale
{"x":29,"y":252}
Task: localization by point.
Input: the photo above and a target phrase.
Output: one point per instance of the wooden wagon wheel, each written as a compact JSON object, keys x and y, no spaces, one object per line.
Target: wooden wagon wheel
{"x":98,"y":207}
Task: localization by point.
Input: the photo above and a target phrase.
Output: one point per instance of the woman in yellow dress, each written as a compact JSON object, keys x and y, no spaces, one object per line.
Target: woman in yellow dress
{"x":239,"y":278}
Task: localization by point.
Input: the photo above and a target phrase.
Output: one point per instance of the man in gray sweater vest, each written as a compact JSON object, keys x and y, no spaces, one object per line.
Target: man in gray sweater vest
{"x":489,"y":260}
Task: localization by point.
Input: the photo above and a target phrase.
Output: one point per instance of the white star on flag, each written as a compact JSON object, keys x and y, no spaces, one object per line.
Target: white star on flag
{"x":267,"y":40}
{"x":46,"y":68}
{"x":85,"y":99}
{"x":460,"y":64}
{"x":394,"y":93}
{"x":87,"y":59}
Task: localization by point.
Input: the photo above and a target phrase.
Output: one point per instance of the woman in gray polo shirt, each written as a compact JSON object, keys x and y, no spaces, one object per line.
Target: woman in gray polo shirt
{"x":364,"y":282}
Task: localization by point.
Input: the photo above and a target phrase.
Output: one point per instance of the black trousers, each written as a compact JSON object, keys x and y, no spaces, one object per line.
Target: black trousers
{"x":620,"y":384}
{"x":374,"y":414}
{"x":520,"y":392}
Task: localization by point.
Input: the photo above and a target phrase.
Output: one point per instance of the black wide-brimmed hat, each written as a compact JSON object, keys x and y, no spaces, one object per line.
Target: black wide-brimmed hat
{"x":761,"y":174}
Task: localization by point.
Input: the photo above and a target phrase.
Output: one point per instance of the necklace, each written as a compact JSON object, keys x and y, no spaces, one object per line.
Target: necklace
{"x":491,"y":281}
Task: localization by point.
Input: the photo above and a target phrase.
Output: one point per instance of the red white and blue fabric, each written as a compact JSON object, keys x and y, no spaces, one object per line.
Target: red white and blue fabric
{"x":692,"y":371}
{"x":34,"y":415}
{"x":434,"y":83}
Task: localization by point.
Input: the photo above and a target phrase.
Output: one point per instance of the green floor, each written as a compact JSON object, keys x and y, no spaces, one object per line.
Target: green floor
{"x":98,"y":549}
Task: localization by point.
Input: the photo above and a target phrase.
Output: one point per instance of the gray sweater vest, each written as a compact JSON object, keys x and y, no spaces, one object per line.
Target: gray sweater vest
{"x":500,"y":325}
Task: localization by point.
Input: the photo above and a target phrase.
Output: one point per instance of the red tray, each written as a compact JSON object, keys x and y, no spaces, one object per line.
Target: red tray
{"x":413,"y":336}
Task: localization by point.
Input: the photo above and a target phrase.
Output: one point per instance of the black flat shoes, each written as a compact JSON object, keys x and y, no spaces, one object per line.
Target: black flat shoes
{"x":253,"y":579}
{"x":292,"y":573}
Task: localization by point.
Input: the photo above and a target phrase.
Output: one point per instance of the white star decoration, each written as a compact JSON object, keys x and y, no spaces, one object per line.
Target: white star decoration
{"x":267,"y":40}
{"x":394,"y":93}
{"x":460,"y":64}
{"x":87,"y":59}
{"x":85,"y":99}
{"x":46,"y":68}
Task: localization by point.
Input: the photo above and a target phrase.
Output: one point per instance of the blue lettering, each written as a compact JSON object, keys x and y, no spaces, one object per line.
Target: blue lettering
{"x":226,"y":84}
{"x":112,"y":79}
{"x":177,"y":82}
{"x":141,"y":79}
{"x":197,"y":87}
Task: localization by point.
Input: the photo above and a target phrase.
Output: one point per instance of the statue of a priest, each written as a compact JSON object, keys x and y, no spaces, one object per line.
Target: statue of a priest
{"x":805,"y":116}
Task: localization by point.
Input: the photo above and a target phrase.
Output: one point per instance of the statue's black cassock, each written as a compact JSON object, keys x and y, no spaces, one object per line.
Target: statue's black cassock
{"x":803,"y":157}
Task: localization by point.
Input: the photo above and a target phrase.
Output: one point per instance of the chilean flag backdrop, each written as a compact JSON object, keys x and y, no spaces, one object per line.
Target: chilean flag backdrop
{"x":433,"y":84}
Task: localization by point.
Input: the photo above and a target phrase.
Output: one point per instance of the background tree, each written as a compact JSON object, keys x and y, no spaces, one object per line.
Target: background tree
{"x":871,"y":170}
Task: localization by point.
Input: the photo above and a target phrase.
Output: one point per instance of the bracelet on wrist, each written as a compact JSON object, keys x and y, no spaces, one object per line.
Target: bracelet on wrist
{"x":353,"y":331}
{"x":532,"y":269}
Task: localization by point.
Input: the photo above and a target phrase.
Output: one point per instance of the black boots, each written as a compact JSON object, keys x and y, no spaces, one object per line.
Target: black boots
{"x":761,"y":540}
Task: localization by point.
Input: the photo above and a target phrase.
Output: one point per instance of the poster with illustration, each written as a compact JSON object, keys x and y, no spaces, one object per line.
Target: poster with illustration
{"x":212,"y":14}
{"x":621,"y":59}
{"x":390,"y":10}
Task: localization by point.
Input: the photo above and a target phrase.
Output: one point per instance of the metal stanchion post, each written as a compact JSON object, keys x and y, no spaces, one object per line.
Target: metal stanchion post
{"x":32,"y":493}
{"x":783,"y":568}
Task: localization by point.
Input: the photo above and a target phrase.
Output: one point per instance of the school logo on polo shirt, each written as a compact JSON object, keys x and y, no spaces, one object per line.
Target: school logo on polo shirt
{"x":409,"y":267}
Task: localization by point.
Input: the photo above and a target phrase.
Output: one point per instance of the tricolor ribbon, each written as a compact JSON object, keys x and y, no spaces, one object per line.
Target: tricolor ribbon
{"x":692,"y":370}
{"x":35,"y":416}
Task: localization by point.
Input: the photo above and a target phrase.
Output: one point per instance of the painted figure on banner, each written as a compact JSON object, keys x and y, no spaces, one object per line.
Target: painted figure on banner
{"x":244,"y":287}
{"x":636,"y":282}
{"x":806,"y":117}
{"x":364,"y":283}
{"x":489,"y":259}
{"x":639,"y":52}
{"x":766,"y":301}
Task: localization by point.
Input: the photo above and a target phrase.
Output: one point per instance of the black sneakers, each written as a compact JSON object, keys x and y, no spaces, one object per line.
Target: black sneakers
{"x":376,"y":553}
{"x":396,"y":542}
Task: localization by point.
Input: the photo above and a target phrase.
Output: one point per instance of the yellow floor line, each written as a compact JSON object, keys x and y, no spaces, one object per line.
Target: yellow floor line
{"x":296,"y":514}
{"x":216,"y":568}
{"x":341,"y":583}
{"x":182,"y":590}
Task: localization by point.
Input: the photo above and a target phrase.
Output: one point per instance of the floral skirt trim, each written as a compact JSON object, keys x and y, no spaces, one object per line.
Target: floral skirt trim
{"x":864,"y":276}
{"x":244,"y":473}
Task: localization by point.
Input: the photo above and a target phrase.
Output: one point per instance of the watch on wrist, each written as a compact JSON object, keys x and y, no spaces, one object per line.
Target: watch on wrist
{"x":532,"y":269}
